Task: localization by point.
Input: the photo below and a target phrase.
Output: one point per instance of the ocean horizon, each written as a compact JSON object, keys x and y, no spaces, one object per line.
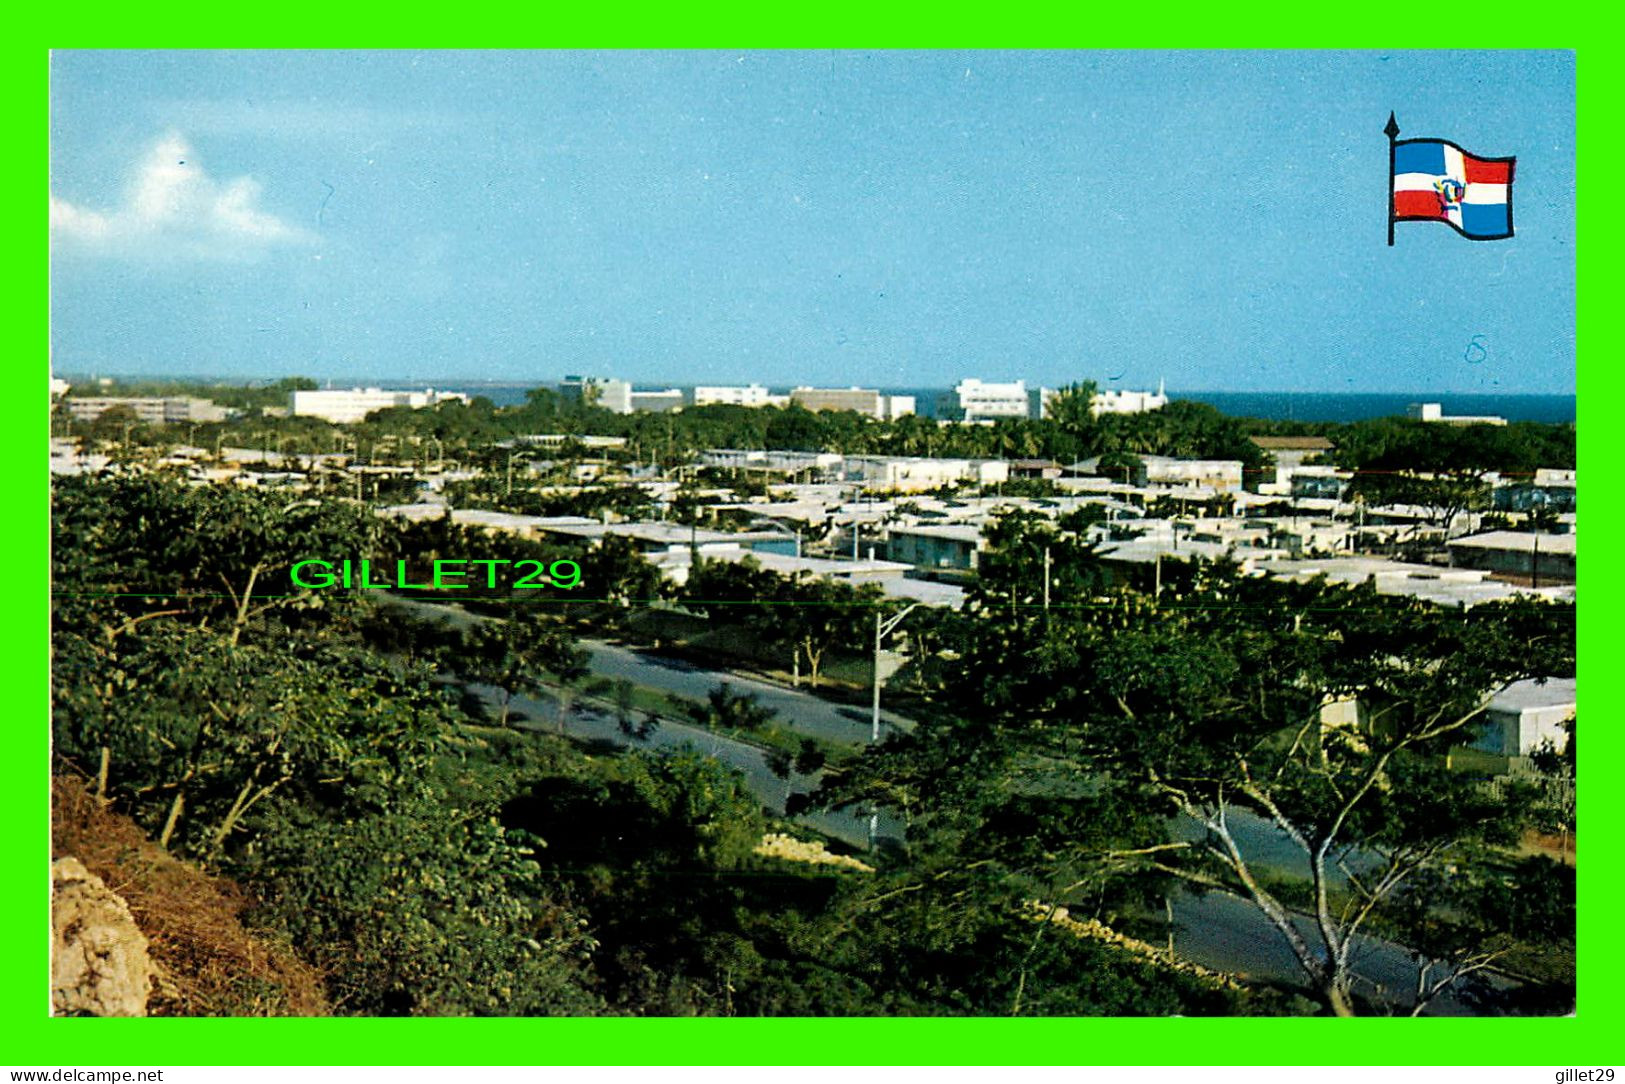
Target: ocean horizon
{"x":1269,"y":405}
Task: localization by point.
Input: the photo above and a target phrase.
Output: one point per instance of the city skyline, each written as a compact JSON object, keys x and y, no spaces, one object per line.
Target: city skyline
{"x":895,"y":220}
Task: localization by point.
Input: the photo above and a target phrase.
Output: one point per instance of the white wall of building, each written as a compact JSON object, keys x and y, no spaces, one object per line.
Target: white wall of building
{"x":751,"y":395}
{"x":354,"y":404}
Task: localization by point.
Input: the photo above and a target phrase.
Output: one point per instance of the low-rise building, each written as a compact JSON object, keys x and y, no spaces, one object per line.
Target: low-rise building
{"x":1290,"y":455}
{"x":913,"y":474}
{"x":751,"y":395}
{"x":1434,"y":412}
{"x":1541,"y":558}
{"x":1123,"y":401}
{"x":149,"y":410}
{"x":657,"y":401}
{"x":1046,"y":469}
{"x":868,"y":401}
{"x":1519,"y":721}
{"x":952,"y":545}
{"x":612,"y":395}
{"x":1548,"y":489}
{"x":788,"y":463}
{"x":586,"y":440}
{"x":354,"y":404}
{"x":977,"y":400}
{"x":1220,"y":474}
{"x":1318,"y":482}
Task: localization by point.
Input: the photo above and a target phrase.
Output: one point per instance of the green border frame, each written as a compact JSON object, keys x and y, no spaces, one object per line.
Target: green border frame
{"x":31,"y":1037}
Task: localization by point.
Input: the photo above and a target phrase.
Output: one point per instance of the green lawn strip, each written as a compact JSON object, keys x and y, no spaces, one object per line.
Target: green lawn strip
{"x":672,"y":708}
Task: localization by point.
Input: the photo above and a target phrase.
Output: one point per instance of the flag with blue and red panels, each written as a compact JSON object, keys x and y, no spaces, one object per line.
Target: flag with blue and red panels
{"x":1436,"y":181}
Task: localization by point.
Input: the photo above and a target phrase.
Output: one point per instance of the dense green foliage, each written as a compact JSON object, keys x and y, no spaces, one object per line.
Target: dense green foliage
{"x":316,"y":747}
{"x":1206,"y":704}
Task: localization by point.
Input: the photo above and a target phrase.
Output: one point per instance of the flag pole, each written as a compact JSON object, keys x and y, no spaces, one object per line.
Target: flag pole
{"x":1392,"y":129}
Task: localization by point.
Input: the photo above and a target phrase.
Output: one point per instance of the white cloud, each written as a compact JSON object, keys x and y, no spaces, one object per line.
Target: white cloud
{"x":174,"y":209}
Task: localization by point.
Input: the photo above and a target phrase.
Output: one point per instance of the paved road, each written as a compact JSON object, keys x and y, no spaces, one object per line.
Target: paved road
{"x":1215,"y":930}
{"x":797,"y":707}
{"x":592,"y":723}
{"x":1227,"y":933}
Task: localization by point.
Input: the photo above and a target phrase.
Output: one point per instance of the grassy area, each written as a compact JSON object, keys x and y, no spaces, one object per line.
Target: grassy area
{"x":776,"y":734}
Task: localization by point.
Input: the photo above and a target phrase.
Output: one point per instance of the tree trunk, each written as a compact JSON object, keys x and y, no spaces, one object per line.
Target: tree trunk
{"x":1337,"y":998}
{"x":175,"y":808}
{"x":101,"y":777}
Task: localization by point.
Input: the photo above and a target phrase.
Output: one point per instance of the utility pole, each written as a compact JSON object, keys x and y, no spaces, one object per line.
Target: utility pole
{"x":881,"y":629}
{"x":511,"y":458}
{"x":1534,"y":564}
{"x":1046,"y":579}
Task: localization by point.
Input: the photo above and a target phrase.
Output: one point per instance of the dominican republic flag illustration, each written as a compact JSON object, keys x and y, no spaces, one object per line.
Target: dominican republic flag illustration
{"x":1433,"y":180}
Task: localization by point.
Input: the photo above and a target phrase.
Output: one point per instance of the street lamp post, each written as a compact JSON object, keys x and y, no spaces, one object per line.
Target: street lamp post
{"x":511,"y":458}
{"x":882,"y":627}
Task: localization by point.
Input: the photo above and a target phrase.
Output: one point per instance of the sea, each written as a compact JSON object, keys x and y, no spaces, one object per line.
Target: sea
{"x":1272,"y":405}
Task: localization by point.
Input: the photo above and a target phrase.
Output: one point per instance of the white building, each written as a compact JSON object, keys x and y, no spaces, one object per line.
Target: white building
{"x":976,"y":400}
{"x":613,"y":395}
{"x":868,"y":401}
{"x":1434,"y":412}
{"x":149,"y":410}
{"x":1526,"y":714}
{"x":656,"y":402}
{"x":354,"y":404}
{"x":1220,"y":474}
{"x":817,"y":464}
{"x":1116,"y":401}
{"x":917,"y":473}
{"x":751,"y":395}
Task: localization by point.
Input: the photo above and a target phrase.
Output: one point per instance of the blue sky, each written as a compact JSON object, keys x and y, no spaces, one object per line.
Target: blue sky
{"x":901,"y":219}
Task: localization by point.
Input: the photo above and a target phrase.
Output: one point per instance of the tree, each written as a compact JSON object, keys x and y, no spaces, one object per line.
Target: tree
{"x":782,"y":764}
{"x":1073,"y":409}
{"x":1216,"y":701}
{"x":193,"y":733}
{"x":219,"y":555}
{"x":818,"y":615}
{"x":421,"y":909}
{"x":725,"y":709}
{"x":513,"y":655}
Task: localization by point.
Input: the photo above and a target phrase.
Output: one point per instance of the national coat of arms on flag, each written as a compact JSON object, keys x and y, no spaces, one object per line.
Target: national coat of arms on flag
{"x":1434,"y":180}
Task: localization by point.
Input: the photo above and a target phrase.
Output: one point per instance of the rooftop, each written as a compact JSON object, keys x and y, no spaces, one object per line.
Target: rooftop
{"x":1518,"y":541}
{"x":1534,"y":694}
{"x":1293,"y":444}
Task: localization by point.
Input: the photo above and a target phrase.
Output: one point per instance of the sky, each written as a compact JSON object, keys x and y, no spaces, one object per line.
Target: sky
{"x":1217,"y":220}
